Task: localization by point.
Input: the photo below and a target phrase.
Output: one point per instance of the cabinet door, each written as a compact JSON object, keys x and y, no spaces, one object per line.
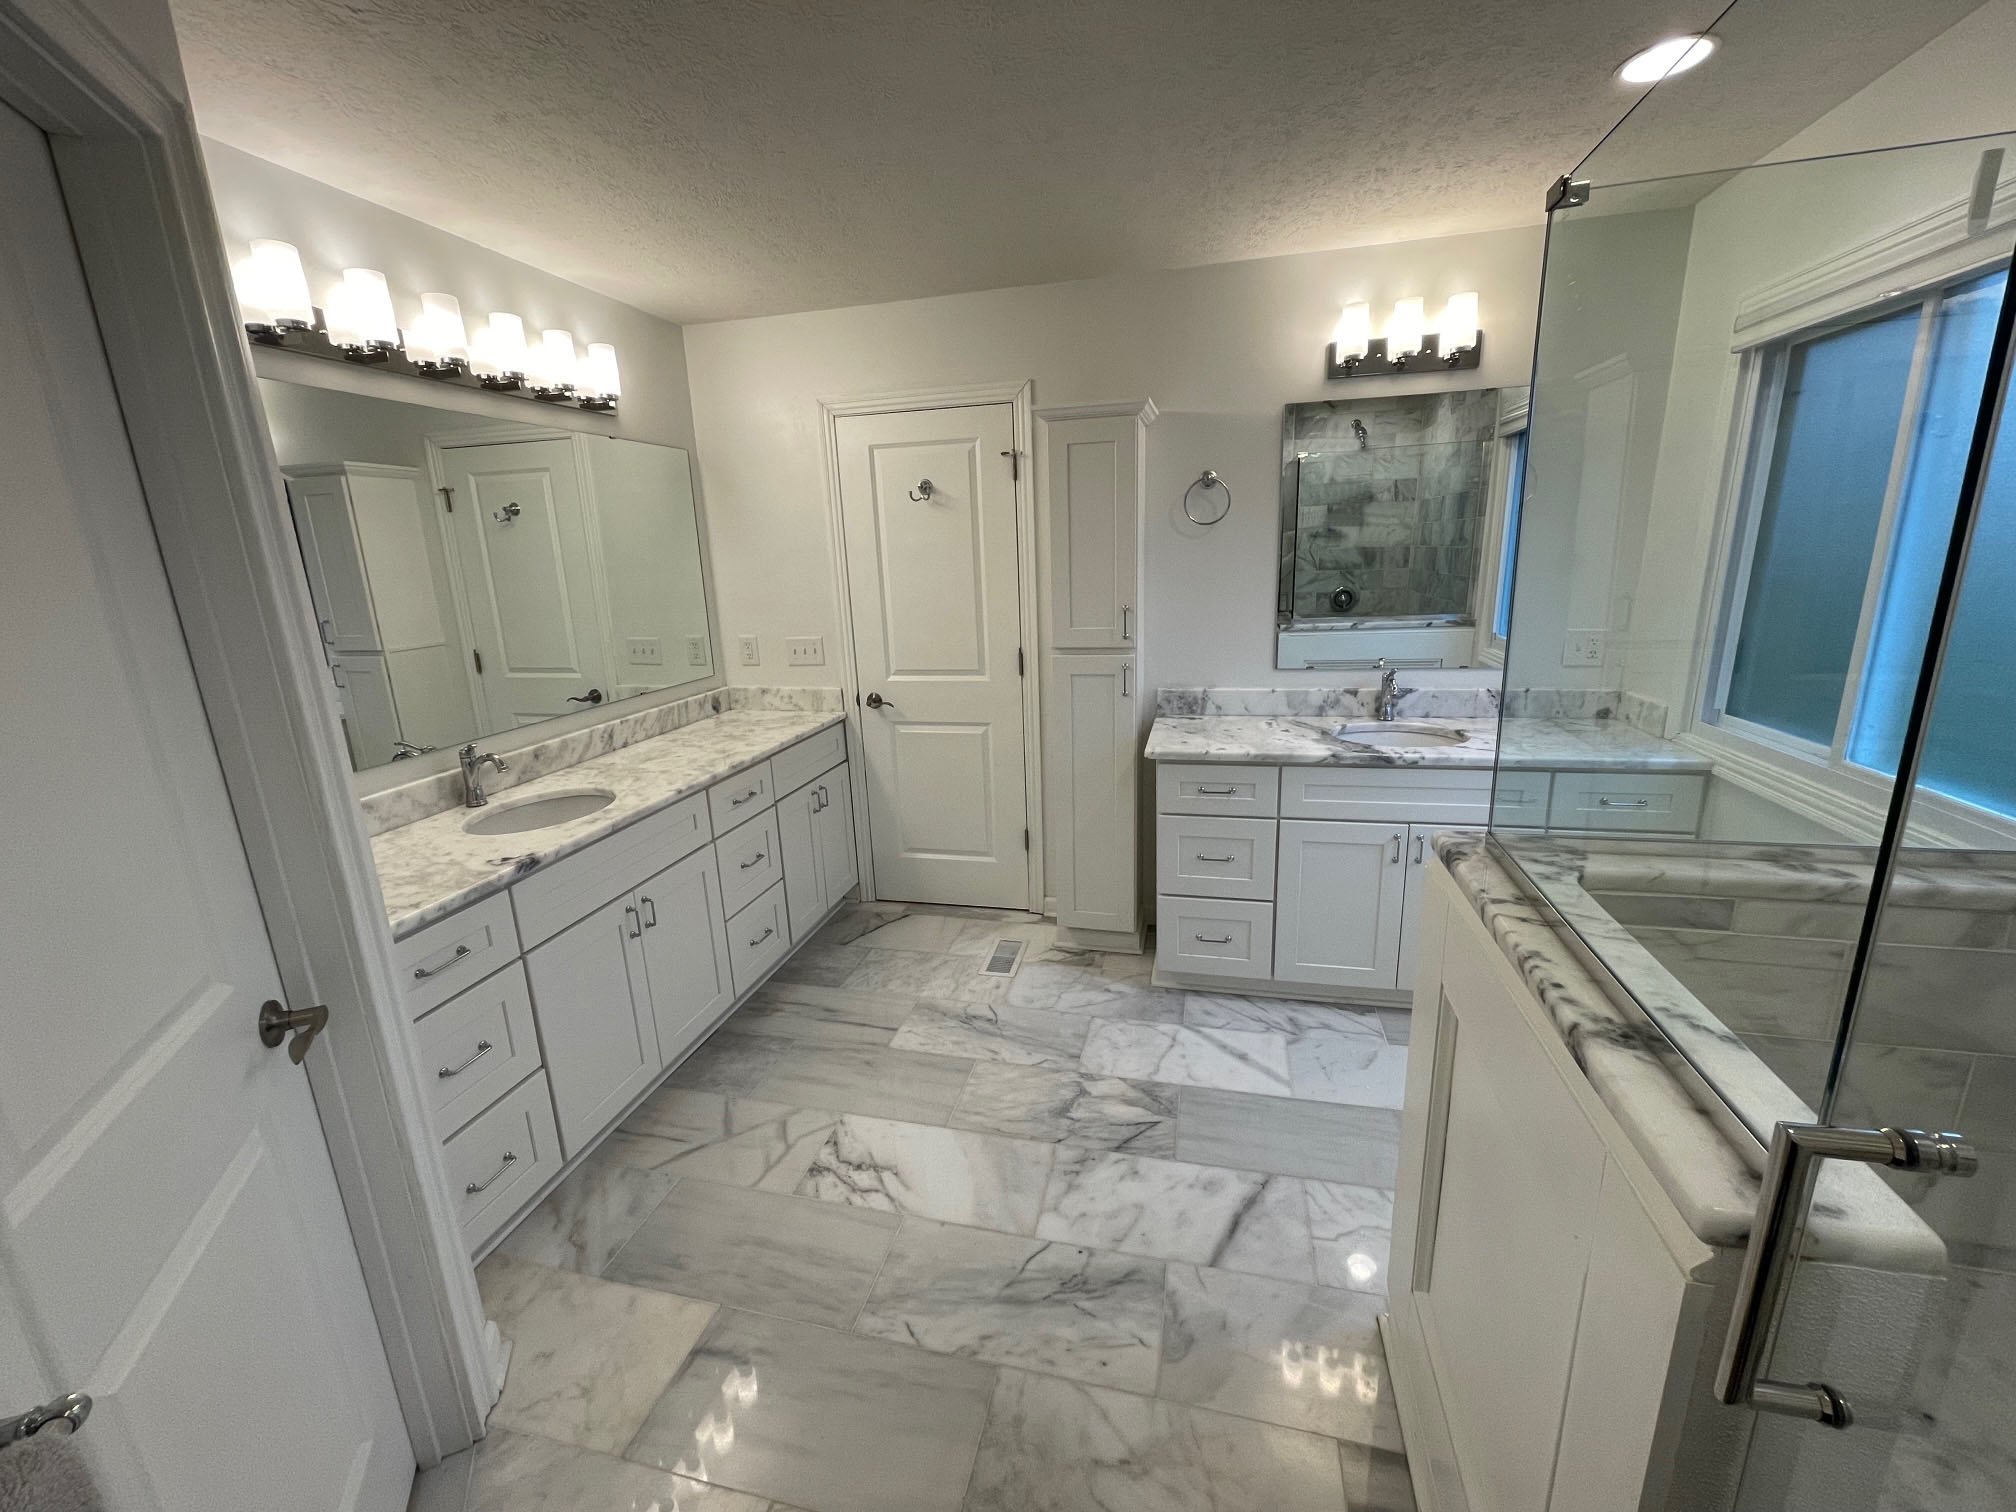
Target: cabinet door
{"x":804,"y":879}
{"x":685,"y":951}
{"x":833,"y":827}
{"x":370,"y":717}
{"x":1094,"y":486}
{"x":1094,"y":844}
{"x":334,"y":559}
{"x":593,"y":1003}
{"x":1420,"y":855}
{"x":1337,"y":903}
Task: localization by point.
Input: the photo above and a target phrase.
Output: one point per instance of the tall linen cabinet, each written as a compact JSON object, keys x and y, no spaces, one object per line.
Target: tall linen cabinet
{"x":1092,"y":470}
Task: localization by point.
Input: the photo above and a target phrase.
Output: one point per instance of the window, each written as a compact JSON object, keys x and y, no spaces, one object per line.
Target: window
{"x":1508,"y":546}
{"x":1862,"y":438}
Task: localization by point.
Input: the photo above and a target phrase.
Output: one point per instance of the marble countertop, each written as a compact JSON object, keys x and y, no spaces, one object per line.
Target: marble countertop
{"x":430,"y":868}
{"x":1705,"y":1162}
{"x":1548,"y":744}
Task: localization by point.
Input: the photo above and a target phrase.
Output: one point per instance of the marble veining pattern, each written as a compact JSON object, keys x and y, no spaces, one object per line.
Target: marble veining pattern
{"x":951,"y":1174}
{"x":1069,"y":1107}
{"x":1238,"y":1060}
{"x":429,"y":868}
{"x":1545,"y":744}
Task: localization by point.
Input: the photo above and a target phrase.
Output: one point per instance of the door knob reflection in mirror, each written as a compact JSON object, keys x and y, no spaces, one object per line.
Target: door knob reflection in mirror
{"x":876,"y":700}
{"x":592,"y":696}
{"x":306,"y":1023}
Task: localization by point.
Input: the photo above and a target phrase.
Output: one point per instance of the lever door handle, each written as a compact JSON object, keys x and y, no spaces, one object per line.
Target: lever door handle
{"x":592,"y":696}
{"x":876,"y":700}
{"x":66,"y":1413}
{"x":276,"y":1022}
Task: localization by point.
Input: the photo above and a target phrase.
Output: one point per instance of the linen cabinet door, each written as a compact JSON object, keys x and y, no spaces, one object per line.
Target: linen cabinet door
{"x":592,"y":1000}
{"x":804,"y":879}
{"x":1093,"y":481}
{"x":685,"y":951}
{"x":1338,"y":896}
{"x":833,"y":827}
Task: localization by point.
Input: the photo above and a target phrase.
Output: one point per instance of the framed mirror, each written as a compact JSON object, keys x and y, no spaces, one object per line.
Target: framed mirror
{"x":1384,"y":502}
{"x":471,"y":577}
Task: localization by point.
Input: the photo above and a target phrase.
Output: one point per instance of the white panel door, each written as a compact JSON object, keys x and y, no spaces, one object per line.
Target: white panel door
{"x":1420,"y":856}
{"x":1337,"y":900}
{"x":833,"y":829}
{"x":593,"y":1002}
{"x":171,"y":1238}
{"x":937,"y":625}
{"x":685,"y":951}
{"x":527,"y":554}
{"x":1093,"y":490}
{"x":1097,"y":800}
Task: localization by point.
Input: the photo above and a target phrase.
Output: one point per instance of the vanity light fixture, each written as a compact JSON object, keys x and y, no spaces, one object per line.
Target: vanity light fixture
{"x":358,"y":323}
{"x":1408,"y":346}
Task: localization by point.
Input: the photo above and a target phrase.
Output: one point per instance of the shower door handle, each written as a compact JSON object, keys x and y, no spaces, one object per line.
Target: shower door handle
{"x":1777,"y":1234}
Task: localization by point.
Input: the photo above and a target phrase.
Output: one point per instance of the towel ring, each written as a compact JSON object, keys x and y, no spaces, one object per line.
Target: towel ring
{"x":1207,"y":480}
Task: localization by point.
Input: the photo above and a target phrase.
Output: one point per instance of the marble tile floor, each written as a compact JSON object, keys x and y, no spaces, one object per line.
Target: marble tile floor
{"x":903,"y":1238}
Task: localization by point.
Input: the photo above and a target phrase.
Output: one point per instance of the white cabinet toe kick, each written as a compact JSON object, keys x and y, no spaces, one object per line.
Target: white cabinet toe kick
{"x":545,"y":1013}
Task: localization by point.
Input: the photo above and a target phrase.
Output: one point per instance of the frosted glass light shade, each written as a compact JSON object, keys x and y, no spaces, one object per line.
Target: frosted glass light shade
{"x":599,"y":378}
{"x":554,"y":363}
{"x":438,"y":337}
{"x":499,"y":348}
{"x":359,"y":310}
{"x":1459,"y":322}
{"x":1404,"y":330}
{"x":1354,"y":331}
{"x":271,"y":286}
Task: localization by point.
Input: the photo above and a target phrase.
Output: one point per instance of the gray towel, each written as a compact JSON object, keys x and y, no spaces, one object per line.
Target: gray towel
{"x":46,"y":1473}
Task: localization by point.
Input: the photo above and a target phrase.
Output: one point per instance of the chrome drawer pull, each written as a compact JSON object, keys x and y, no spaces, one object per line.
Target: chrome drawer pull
{"x":510,"y":1159}
{"x":1216,"y":792}
{"x":1212,"y":939}
{"x":651,"y":917}
{"x":1420,"y":847}
{"x":1219,"y":860}
{"x":636,"y":929}
{"x":1632,"y":803}
{"x":757,"y":860}
{"x":755,"y":792}
{"x":421,"y":973}
{"x":483,"y":1048}
{"x":1398,"y":840}
{"x":763,"y":936}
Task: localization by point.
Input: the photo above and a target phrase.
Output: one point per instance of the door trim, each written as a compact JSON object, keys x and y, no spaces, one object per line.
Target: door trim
{"x":132,"y":177}
{"x":1021,"y":396}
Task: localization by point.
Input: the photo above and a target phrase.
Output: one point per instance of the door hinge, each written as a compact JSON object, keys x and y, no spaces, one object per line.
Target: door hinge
{"x":1014,"y":464}
{"x":479,"y":662}
{"x":1021,"y":663}
{"x":448,"y":498}
{"x":1025,"y":839}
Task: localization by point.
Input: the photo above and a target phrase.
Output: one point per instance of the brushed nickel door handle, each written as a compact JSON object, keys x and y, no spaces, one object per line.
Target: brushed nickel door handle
{"x":66,"y":1414}
{"x":276,"y":1023}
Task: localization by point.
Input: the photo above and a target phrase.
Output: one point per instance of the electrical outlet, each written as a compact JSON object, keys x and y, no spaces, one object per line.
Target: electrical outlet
{"x":696,"y":650}
{"x":644,"y":650}
{"x":1582,"y":648}
{"x":752,"y":654}
{"x":805,"y":651}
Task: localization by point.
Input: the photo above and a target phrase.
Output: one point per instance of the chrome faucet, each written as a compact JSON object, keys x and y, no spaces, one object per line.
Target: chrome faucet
{"x":1389,"y":691}
{"x":473,"y":795}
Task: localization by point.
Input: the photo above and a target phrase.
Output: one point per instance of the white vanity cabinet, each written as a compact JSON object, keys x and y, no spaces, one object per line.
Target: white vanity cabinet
{"x":815,"y":824}
{"x":1308,"y":878}
{"x":685,"y":951}
{"x":595,"y":1015}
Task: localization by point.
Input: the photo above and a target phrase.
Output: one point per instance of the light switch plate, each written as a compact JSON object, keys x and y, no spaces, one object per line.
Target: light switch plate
{"x":1582,"y":648}
{"x":644,"y":650}
{"x":696,"y":650}
{"x":805,"y":651}
{"x":752,"y":654}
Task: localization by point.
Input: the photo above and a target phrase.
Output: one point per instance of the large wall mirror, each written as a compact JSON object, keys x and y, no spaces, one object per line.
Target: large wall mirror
{"x":471,"y":577}
{"x":1384,"y":508}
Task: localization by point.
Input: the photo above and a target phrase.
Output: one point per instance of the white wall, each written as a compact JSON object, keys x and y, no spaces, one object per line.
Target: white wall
{"x":1219,"y":349}
{"x":335,"y":230}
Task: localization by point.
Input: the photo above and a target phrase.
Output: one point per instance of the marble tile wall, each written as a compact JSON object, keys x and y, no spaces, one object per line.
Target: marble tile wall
{"x":1395,"y":515}
{"x":441,"y":791}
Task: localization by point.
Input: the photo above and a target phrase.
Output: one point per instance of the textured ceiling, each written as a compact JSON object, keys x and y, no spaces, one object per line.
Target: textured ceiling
{"x":743,"y":157}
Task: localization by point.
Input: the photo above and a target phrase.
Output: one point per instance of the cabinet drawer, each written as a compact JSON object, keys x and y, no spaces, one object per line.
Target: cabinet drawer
{"x":1427,"y":795}
{"x":476,"y":1045}
{"x":575,"y":886}
{"x":749,"y":862}
{"x":459,"y":951}
{"x":797,"y":765}
{"x":1204,"y":857}
{"x":1207,"y":937}
{"x":1248,"y":791}
{"x":1520,"y":799}
{"x":506,"y":1153}
{"x":1665,"y":802}
{"x":757,"y":936}
{"x":741,"y":797}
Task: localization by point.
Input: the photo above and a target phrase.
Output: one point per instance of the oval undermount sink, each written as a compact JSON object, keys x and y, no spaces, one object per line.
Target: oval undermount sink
{"x":503,"y":817}
{"x":1396,"y":732}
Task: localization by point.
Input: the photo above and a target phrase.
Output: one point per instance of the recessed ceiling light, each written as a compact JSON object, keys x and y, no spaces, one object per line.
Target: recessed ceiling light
{"x":1662,"y":60}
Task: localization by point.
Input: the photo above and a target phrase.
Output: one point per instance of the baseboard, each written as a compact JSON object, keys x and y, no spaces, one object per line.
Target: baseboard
{"x":1119,"y":941}
{"x":1424,"y":1424}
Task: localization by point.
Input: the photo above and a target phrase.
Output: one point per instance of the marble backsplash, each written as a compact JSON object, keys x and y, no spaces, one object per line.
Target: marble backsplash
{"x":440,"y":791}
{"x":1329,"y":703}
